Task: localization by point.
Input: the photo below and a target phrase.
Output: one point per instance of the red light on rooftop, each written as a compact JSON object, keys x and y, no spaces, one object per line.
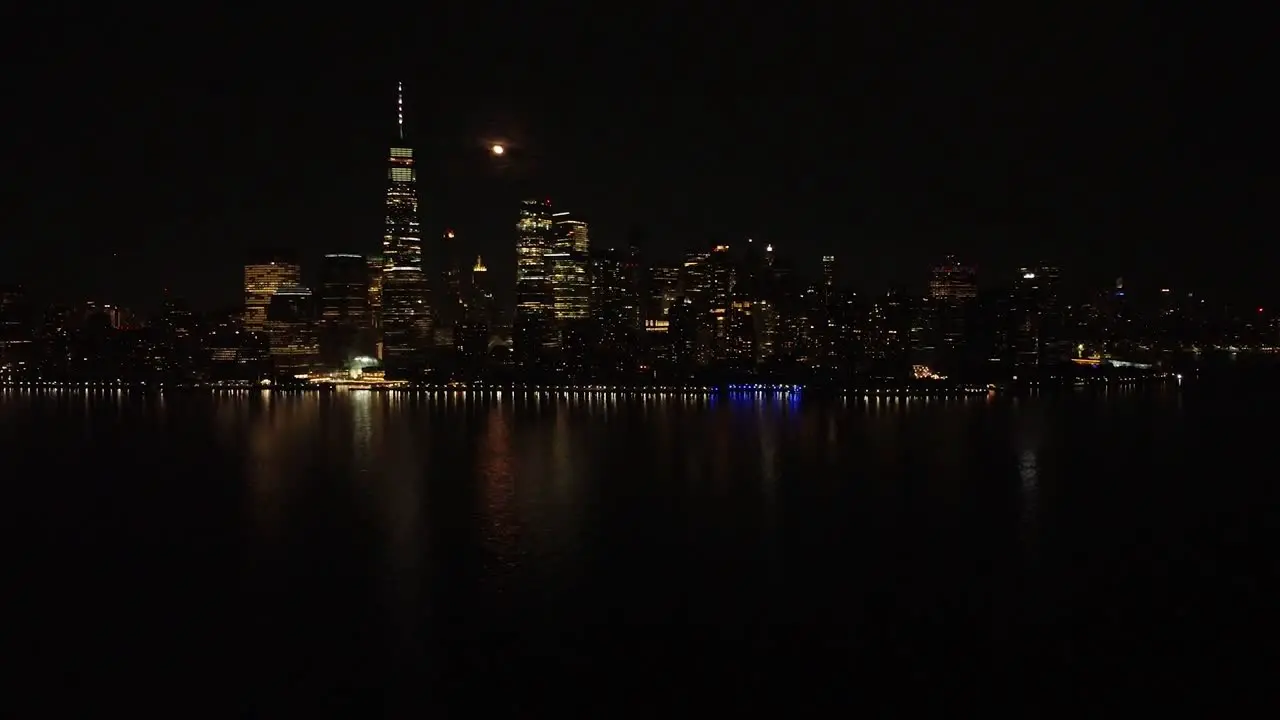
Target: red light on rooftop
{"x":1259,"y":309}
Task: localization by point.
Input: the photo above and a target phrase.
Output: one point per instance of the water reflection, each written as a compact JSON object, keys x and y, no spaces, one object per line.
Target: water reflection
{"x":519,"y":491}
{"x":1029,"y":477}
{"x":392,"y":457}
{"x":280,"y":425}
{"x":768,"y":417}
{"x":1031,"y":429}
{"x":767,"y":423}
{"x":497,"y":481}
{"x":566,"y":465}
{"x":362,"y":419}
{"x":722,"y":445}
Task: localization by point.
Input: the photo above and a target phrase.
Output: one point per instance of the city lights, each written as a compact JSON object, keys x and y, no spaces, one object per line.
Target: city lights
{"x":417,"y":315}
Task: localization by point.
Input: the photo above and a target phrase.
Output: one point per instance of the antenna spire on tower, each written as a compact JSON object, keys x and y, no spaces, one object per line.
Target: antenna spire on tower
{"x":400,"y":107}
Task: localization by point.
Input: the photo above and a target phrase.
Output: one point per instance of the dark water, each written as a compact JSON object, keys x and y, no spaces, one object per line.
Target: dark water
{"x":363,"y":554}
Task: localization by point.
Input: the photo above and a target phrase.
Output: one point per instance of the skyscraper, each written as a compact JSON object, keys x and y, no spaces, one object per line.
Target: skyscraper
{"x":448,"y":300}
{"x":952,"y":287}
{"x":480,"y":301}
{"x":290,"y":327}
{"x":664,"y":288}
{"x":376,"y":264}
{"x":571,"y":235}
{"x":567,"y":263}
{"x":406,"y":318}
{"x":1038,"y":320}
{"x":402,"y":241}
{"x":615,"y":307}
{"x":261,"y":281}
{"x":344,"y":308}
{"x":953,"y":281}
{"x":15,"y":327}
{"x":472,"y":333}
{"x":533,"y":331}
{"x":722,"y":277}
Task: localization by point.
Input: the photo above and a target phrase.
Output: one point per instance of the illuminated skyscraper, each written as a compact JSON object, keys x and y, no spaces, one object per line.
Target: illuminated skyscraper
{"x":722,"y":276}
{"x":951,"y":287}
{"x":664,"y":288}
{"x":472,"y":336}
{"x":534,"y":330}
{"x":376,"y":264}
{"x":662,"y":292}
{"x":405,"y":317}
{"x":480,"y":297}
{"x":261,"y":281}
{"x":402,"y":241}
{"x":15,"y":327}
{"x":571,"y":235}
{"x":567,"y":263}
{"x":953,"y":281}
{"x":695,"y":281}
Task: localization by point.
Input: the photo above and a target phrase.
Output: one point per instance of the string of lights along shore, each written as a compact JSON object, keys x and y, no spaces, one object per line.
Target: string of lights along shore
{"x":588,"y":313}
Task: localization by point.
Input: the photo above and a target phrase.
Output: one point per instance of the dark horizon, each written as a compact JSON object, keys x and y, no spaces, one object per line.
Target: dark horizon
{"x":1107,"y":146}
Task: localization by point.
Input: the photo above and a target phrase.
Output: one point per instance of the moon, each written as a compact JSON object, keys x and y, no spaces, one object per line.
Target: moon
{"x":497,"y":149}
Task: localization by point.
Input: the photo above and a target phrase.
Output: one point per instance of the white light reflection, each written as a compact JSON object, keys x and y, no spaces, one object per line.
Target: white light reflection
{"x":1029,"y":475}
{"x":497,"y":478}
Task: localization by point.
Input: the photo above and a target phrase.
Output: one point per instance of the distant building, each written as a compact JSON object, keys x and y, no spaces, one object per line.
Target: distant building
{"x":261,"y":281}
{"x":567,"y":263}
{"x":405,"y":315}
{"x":375,"y":264}
{"x":448,"y":301}
{"x":953,"y":281}
{"x":291,"y":330}
{"x":344,"y":308}
{"x":16,"y":328}
{"x":534,"y":330}
{"x":942,"y":323}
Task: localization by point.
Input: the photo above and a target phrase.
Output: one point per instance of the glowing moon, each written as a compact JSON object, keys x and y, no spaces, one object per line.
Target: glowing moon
{"x":497,"y":150}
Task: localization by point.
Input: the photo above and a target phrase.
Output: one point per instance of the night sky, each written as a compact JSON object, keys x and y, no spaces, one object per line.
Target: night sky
{"x":158,"y":152}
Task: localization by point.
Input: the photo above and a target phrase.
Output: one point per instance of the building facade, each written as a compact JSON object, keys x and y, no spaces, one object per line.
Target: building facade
{"x":533,"y":332}
{"x":568,"y":265}
{"x":344,"y":308}
{"x":261,"y":281}
{"x":405,"y":314}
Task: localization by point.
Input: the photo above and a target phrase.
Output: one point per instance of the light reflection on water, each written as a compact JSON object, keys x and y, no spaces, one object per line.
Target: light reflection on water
{"x":360,"y":521}
{"x":276,"y":430}
{"x":543,"y":473}
{"x":1029,"y":477}
{"x":1028,"y":442}
{"x":395,"y":466}
{"x":496,"y":475}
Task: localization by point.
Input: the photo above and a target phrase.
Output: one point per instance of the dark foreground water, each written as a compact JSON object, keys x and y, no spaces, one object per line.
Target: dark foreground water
{"x":368,"y":555}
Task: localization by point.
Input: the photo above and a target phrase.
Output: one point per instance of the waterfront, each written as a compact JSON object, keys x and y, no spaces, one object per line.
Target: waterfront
{"x":372,"y":552}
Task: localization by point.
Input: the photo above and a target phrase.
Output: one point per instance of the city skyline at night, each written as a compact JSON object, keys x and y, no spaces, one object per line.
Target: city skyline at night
{"x":576,"y":307}
{"x":532,"y":361}
{"x":1074,"y":141}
